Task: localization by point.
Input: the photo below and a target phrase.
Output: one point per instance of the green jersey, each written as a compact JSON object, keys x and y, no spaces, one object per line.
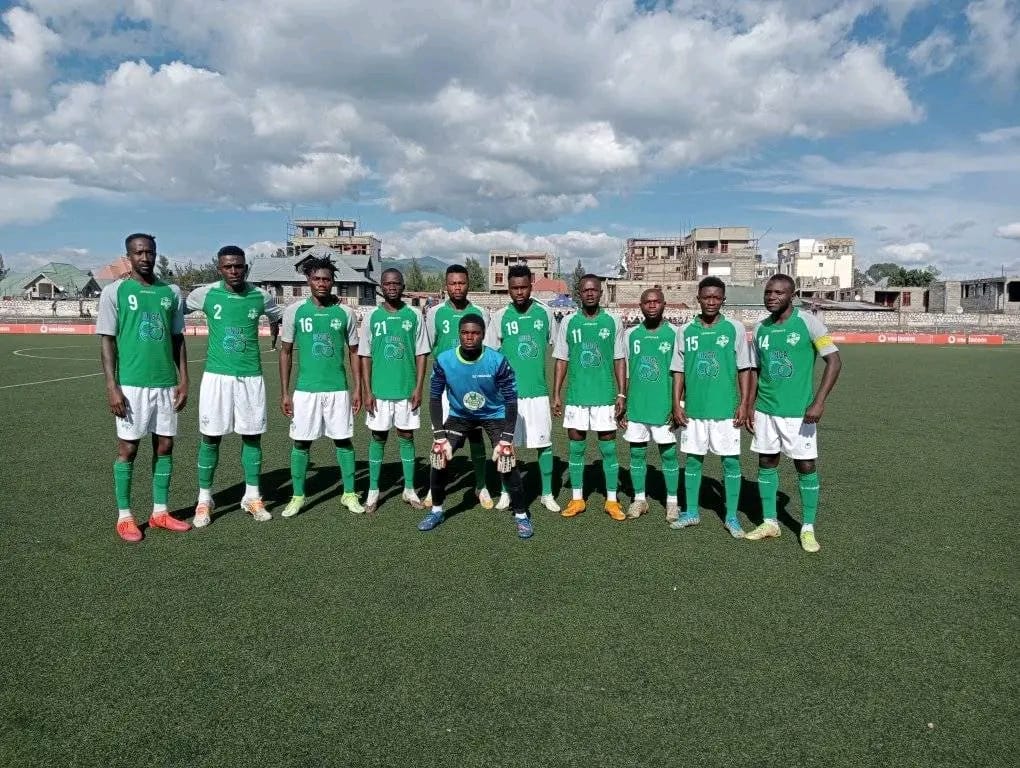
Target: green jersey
{"x":233,"y":322}
{"x":142,"y":318}
{"x":321,"y":336}
{"x":590,"y":345}
{"x":649,"y":384}
{"x":785,"y":354}
{"x":709,"y":357}
{"x":442,"y":325}
{"x":393,"y":340}
{"x":523,"y":338}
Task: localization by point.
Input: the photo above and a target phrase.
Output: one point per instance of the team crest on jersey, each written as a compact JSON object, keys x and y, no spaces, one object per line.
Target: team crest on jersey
{"x":780,"y":365}
{"x":648,"y":369}
{"x":406,"y":325}
{"x":322,"y":345}
{"x":664,"y":347}
{"x":151,"y":327}
{"x":722,"y":341}
{"x":590,"y":356}
{"x":393,"y":349}
{"x":604,"y":334}
{"x":474,"y":401}
{"x":539,"y":325}
{"x":165,"y":302}
{"x":707,"y":366}
{"x":233,"y":341}
{"x":336,"y":323}
{"x":527,"y":348}
{"x":792,"y":338}
{"x":253,"y":314}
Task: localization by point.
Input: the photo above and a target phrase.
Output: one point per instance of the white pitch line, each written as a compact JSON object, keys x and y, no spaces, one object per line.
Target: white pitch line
{"x":86,"y":375}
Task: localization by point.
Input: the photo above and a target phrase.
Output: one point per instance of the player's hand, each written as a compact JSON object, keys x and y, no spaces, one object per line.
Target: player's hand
{"x":356,"y":403}
{"x":740,"y":417}
{"x":415,"y":400}
{"x":504,"y":457}
{"x":442,"y":453}
{"x":557,"y":406}
{"x":118,"y":403}
{"x":180,"y":397}
{"x":680,"y":416}
{"x":619,"y":408}
{"x":287,"y":406}
{"x":814,"y":413}
{"x":369,"y":404}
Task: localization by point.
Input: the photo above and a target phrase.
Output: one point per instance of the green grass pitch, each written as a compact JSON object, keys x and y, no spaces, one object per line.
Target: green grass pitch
{"x":332,"y":639}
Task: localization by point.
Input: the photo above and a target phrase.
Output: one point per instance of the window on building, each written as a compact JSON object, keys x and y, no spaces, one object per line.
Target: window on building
{"x":297,"y":290}
{"x":725,"y":248}
{"x":499,"y":278}
{"x":278,"y":290}
{"x":1013,"y":291}
{"x":905,"y":299}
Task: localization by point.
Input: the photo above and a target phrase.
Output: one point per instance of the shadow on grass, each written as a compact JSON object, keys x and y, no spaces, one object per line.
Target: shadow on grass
{"x":713,"y":497}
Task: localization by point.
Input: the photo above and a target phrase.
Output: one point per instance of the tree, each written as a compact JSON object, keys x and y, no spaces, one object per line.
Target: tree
{"x":190,"y":275}
{"x":860,"y":278}
{"x":920,"y":277}
{"x":877,"y":272}
{"x":477,"y":279}
{"x":163,"y":271}
{"x":415,"y":279}
{"x":3,"y":269}
{"x":575,"y":286}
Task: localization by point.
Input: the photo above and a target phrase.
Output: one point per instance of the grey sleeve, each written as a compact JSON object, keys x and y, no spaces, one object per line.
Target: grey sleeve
{"x":819,"y":334}
{"x":752,"y":346}
{"x":177,"y":324}
{"x":196,"y":299}
{"x":560,"y":351}
{"x":494,"y":330}
{"x":365,"y":338}
{"x":272,"y":310}
{"x":422,"y":345}
{"x":745,"y":359}
{"x":551,"y":324}
{"x":429,"y":320}
{"x":677,"y":364}
{"x":106,"y":315}
{"x":352,"y":327}
{"x":289,"y":316}
{"x":620,"y":346}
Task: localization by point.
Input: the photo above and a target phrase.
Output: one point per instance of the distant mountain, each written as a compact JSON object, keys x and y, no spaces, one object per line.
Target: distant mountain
{"x":427,"y":264}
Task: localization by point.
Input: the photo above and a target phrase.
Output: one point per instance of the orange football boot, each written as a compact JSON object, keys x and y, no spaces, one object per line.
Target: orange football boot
{"x":166,"y":521}
{"x":575,"y":507}
{"x":614,"y":510}
{"x":128,"y":530}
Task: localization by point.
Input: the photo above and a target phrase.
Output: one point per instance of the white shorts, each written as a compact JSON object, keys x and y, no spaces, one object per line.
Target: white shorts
{"x":534,"y":423}
{"x":600,"y":418}
{"x":716,"y":435}
{"x":392,"y":413}
{"x":637,"y":432}
{"x":149,"y":410}
{"x":322,"y":413}
{"x":231,"y":404}
{"x":783,"y":434}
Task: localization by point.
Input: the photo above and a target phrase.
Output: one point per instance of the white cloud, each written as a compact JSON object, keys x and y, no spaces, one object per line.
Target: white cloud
{"x":1000,"y":135}
{"x":27,"y":200}
{"x":493,"y":114}
{"x":935,"y":53}
{"x":994,"y":30}
{"x":1009,"y":231}
{"x":910,"y":254}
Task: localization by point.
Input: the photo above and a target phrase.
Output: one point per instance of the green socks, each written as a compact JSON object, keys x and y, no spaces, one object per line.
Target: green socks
{"x":731,"y":483}
{"x":638,"y":468}
{"x":576,"y":459}
{"x":693,"y":468}
{"x":251,"y":460}
{"x":345,"y":458}
{"x":407,"y":461}
{"x":478,"y":458}
{"x":162,"y":468}
{"x":298,"y":469}
{"x":610,"y":464}
{"x":768,"y":489}
{"x":670,"y":468}
{"x":809,"y":496}
{"x":208,"y":458}
{"x":545,"y":467}
{"x":122,"y":483}
{"x":376,"y":448}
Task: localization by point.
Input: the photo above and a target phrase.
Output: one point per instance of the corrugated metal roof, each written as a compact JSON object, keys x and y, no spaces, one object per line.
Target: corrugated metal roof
{"x":270,"y":270}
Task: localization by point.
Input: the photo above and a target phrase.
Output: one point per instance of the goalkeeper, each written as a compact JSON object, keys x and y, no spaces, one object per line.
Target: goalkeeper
{"x":482,"y":392}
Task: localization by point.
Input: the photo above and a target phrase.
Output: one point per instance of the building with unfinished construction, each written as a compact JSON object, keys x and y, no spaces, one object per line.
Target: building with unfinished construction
{"x":360,"y":252}
{"x":542,"y":264}
{"x":820,"y":267}
{"x":728,"y":252}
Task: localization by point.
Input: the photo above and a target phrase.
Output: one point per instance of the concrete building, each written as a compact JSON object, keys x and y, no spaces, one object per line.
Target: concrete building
{"x":56,"y":280}
{"x":287,"y":284}
{"x":763,"y":270}
{"x":541,"y":264}
{"x":945,"y":296}
{"x":904,"y":298}
{"x":728,"y":252}
{"x":360,"y":252}
{"x":991,"y":294}
{"x":819,"y":267}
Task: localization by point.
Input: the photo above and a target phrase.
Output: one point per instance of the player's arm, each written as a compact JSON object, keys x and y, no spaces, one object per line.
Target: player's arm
{"x":436,"y":389}
{"x":620,"y":372}
{"x":744,"y":416}
{"x":106,"y":327}
{"x":354,"y":362}
{"x":274,"y":334}
{"x":676,"y":366}
{"x":422,"y":348}
{"x":833,"y":365}
{"x":286,"y":367}
{"x":365,"y":353}
{"x":561,"y":354}
{"x":180,"y":352}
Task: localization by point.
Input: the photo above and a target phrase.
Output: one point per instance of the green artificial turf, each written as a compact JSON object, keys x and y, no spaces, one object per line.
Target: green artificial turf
{"x":331,"y":639}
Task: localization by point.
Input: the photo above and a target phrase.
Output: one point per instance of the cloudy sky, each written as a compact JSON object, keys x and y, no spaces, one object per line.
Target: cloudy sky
{"x":453,"y":127}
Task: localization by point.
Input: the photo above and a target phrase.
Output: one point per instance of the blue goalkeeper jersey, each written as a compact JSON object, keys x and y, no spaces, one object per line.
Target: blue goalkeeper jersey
{"x":477,"y":389}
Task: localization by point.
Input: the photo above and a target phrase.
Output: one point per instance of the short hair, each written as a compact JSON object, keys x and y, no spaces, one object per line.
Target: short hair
{"x":138,"y":236}
{"x":229,"y":250}
{"x":519,"y":270}
{"x":653,"y":289}
{"x":316,"y":263}
{"x":456,"y":269}
{"x":471,"y":318}
{"x":712,"y":281}
{"x":391,"y":271}
{"x":781,"y":278}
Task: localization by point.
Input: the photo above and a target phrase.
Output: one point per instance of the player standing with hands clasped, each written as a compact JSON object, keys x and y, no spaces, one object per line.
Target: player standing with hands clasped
{"x":712,"y":385}
{"x":786,"y":413}
{"x":482,"y":393}
{"x":232,"y":397}
{"x":325,"y":334}
{"x":590,"y":358}
{"x":141,"y":327}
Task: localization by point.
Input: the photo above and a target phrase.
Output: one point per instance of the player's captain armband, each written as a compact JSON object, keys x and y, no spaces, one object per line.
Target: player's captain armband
{"x":823,"y":342}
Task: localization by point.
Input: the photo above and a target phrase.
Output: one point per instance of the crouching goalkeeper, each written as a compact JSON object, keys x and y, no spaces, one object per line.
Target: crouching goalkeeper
{"x":482,"y":392}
